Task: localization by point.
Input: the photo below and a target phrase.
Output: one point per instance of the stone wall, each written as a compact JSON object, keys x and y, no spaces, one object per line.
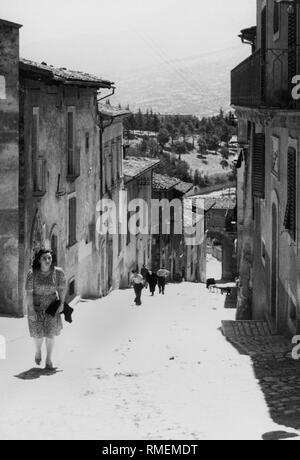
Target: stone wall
{"x":9,"y":168}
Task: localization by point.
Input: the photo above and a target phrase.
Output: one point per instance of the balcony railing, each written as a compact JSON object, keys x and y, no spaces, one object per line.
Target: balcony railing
{"x":263,"y":81}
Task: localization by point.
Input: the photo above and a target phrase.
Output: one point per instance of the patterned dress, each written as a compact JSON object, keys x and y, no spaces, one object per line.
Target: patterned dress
{"x":44,"y":288}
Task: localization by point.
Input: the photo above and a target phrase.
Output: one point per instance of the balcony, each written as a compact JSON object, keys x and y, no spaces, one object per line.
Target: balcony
{"x":263,"y":80}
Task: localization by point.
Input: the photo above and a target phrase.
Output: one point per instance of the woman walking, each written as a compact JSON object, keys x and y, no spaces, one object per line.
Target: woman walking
{"x":45,"y":284}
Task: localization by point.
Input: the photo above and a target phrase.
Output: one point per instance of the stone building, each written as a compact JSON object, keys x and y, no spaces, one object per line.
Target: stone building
{"x":138,"y":173}
{"x":50,"y":171}
{"x":171,"y":249}
{"x":264,"y":97}
{"x":112,"y":246}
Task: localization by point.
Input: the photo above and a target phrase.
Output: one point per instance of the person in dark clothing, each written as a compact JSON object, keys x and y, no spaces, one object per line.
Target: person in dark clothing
{"x":161,"y":281}
{"x":144,"y":272}
{"x":152,"y":280}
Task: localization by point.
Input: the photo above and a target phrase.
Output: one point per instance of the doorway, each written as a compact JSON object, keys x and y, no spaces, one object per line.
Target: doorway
{"x":274,"y":266}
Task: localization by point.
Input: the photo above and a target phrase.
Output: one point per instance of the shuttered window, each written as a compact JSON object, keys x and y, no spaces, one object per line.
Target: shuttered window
{"x":258,"y":166}
{"x":276,"y":18}
{"x":73,"y":158}
{"x":292,"y":49}
{"x":290,"y":214}
{"x":72,"y":221}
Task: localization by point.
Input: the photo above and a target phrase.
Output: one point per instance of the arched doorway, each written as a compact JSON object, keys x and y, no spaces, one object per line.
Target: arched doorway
{"x":37,"y":238}
{"x":274,"y":265}
{"x":54,"y":242}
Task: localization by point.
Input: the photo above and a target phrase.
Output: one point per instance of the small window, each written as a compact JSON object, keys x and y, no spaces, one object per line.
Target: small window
{"x":2,"y":87}
{"x":87,"y":142}
{"x":263,"y":252}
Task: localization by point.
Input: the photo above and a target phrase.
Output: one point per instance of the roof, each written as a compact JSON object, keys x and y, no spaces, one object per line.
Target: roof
{"x":135,"y":166}
{"x":10,"y":24}
{"x":184,"y":187}
{"x":111,"y":112}
{"x":161,"y":182}
{"x":62,"y":75}
{"x":220,"y":203}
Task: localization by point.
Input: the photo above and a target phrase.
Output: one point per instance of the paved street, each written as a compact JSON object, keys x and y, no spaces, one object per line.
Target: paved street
{"x":160,"y":371}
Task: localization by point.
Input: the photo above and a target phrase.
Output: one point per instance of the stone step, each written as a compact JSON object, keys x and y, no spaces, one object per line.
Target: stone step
{"x":238,"y":329}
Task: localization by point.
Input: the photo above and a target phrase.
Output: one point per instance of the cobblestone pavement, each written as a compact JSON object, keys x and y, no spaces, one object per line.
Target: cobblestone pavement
{"x":277,"y":372}
{"x":161,"y":371}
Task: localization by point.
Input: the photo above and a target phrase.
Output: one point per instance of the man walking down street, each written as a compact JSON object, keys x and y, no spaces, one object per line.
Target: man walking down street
{"x":162,"y":275}
{"x":138,"y":283}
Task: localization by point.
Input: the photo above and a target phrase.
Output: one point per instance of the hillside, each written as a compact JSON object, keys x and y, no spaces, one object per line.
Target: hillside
{"x":198,"y":86}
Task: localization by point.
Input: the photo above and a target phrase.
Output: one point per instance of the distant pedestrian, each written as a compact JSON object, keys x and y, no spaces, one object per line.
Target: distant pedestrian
{"x":138,"y":284}
{"x":45,"y":284}
{"x":144,"y":273}
{"x":152,"y":280}
{"x":162,"y":276}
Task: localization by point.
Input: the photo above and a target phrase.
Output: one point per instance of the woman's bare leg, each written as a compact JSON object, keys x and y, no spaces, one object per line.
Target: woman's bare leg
{"x":38,"y":346}
{"x":49,"y":345}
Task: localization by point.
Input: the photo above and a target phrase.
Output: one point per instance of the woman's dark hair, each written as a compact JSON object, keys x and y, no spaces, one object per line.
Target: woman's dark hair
{"x":36,"y":263}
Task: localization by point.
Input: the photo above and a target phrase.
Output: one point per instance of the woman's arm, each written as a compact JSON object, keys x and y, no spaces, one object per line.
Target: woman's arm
{"x":61,"y":289}
{"x":29,"y":306}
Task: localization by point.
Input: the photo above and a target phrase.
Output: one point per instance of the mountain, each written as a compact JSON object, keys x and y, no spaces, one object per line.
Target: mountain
{"x":199,"y":85}
{"x":145,"y":77}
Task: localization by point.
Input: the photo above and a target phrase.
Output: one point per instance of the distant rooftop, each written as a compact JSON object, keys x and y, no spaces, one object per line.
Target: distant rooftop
{"x":184,"y":187}
{"x":135,"y":166}
{"x":161,"y":182}
{"x":110,"y":111}
{"x":10,"y":24}
{"x":63,"y":75}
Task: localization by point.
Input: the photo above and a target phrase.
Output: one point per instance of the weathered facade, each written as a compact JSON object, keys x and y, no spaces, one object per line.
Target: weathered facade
{"x":54,"y":183}
{"x":10,"y":288}
{"x":268,"y":192}
{"x":138,"y":173}
{"x":112,"y":246}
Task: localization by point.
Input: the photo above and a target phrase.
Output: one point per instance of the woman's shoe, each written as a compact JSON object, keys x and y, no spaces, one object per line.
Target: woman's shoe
{"x":49,"y":366}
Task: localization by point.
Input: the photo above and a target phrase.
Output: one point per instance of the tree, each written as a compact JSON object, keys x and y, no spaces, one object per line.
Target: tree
{"x":202,"y":145}
{"x":173,"y":131}
{"x":197,"y":177}
{"x":183,"y":129}
{"x":180,"y":149}
{"x":163,"y":137}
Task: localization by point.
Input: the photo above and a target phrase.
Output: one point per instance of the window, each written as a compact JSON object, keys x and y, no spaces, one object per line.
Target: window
{"x":2,"y":87}
{"x":72,"y":221}
{"x":276,"y":18}
{"x":263,"y":252}
{"x":87,"y":142}
{"x":73,"y":161}
{"x":290,"y":214}
{"x":128,"y":237}
{"x":38,"y":162}
{"x":258,"y":165}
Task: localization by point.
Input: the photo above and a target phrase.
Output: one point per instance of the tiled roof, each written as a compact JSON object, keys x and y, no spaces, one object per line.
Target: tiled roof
{"x":134,"y":166}
{"x":184,"y":187}
{"x":161,"y":182}
{"x":225,"y":203}
{"x":62,"y":74}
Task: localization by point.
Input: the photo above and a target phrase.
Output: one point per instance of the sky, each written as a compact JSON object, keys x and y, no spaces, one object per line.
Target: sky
{"x":110,"y":36}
